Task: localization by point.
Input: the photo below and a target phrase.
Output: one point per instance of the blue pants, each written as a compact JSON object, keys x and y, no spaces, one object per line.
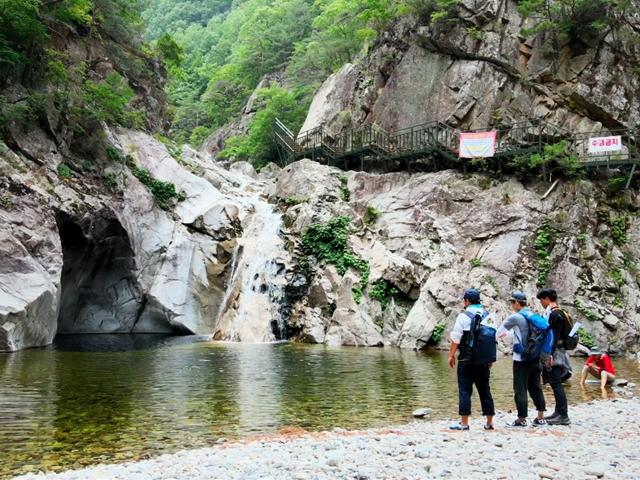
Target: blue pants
{"x":468,"y":376}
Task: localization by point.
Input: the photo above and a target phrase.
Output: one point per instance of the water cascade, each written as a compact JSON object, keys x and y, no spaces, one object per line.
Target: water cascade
{"x":250,"y":311}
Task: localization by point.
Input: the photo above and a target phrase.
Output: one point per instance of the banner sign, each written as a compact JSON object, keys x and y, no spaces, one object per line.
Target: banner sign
{"x":605,"y":144}
{"x":477,"y":144}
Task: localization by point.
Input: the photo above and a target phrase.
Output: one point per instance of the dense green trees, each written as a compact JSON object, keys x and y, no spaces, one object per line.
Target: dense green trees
{"x":227,"y":54}
{"x":33,"y":35}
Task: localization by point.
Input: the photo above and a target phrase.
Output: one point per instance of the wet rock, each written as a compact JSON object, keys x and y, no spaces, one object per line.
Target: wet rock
{"x":421,"y":412}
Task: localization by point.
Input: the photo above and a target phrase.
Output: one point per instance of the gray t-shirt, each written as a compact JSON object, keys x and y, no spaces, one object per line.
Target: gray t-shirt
{"x":519,"y":327}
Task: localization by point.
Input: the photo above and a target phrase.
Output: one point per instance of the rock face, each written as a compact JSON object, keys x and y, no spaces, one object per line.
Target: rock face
{"x":480,"y":71}
{"x":437,"y":234}
{"x":78,"y":258}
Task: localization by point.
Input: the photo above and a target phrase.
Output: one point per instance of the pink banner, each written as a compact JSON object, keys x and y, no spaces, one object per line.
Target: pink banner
{"x":477,"y":144}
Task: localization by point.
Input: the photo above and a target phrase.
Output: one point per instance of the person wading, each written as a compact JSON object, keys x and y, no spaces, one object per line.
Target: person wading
{"x":526,"y":373}
{"x":560,"y":367}
{"x":473,"y":337}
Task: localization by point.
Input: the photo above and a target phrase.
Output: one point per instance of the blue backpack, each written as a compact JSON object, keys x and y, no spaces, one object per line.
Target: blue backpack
{"x":540,"y":341}
{"x":482,"y":339}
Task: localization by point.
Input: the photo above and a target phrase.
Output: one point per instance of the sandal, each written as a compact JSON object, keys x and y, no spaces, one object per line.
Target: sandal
{"x":489,"y":427}
{"x":459,"y":427}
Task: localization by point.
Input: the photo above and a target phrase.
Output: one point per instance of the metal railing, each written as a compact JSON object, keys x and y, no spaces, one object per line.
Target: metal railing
{"x":439,"y":139}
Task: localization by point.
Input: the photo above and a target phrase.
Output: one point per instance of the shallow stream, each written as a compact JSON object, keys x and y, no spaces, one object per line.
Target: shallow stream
{"x":116,"y":398}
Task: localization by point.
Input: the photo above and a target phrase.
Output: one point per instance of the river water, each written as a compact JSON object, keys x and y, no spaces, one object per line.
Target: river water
{"x":111,"y":399}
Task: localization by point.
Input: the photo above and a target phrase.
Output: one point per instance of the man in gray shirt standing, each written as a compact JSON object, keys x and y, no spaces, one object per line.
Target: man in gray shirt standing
{"x":526,"y":373}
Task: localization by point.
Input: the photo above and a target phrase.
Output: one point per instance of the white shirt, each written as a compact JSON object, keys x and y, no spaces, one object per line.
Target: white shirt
{"x":463,"y":322}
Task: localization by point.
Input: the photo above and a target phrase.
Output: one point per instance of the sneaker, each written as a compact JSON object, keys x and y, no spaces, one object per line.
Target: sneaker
{"x":553,"y":415}
{"x":459,"y":426}
{"x":538,"y":422}
{"x":519,"y":422}
{"x":559,"y":420}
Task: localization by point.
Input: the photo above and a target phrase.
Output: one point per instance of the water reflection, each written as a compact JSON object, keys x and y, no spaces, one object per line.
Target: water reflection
{"x":67,"y":408}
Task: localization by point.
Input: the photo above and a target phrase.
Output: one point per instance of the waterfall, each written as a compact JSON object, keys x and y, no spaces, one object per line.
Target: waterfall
{"x":250,"y":311}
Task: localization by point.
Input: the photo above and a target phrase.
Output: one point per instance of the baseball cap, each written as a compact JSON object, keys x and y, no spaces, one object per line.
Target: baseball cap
{"x":472,"y":295}
{"x":519,"y":296}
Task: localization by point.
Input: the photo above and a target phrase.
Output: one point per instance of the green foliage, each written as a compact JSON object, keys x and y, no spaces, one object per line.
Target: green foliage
{"x":328,"y":243}
{"x":567,"y":19}
{"x":586,"y":312}
{"x":64,"y":171}
{"x":437,"y":334}
{"x":475,"y":262}
{"x":110,"y":181}
{"x":618,"y":226}
{"x":228,"y":47}
{"x":295,"y":200}
{"x":585,"y":338}
{"x":258,"y":145}
{"x":582,"y":239}
{"x":616,"y":274}
{"x":371,"y":215}
{"x":382,"y":291}
{"x":25,"y":26}
{"x":170,"y":51}
{"x":616,"y":185}
{"x":555,"y":156}
{"x":357,"y":293}
{"x":445,"y":10}
{"x":109,"y":101}
{"x":114,"y":154}
{"x":475,"y":32}
{"x":492,"y":281}
{"x":163,"y":192}
{"x":345,"y":193}
{"x":542,"y":246}
{"x":327,"y":311}
{"x":20,"y":28}
{"x":6,"y":202}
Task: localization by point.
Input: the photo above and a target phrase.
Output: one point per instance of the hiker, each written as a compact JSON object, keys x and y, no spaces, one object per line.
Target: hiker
{"x":559,"y":368}
{"x":600,"y":366}
{"x":526,"y":372}
{"x":473,"y":337}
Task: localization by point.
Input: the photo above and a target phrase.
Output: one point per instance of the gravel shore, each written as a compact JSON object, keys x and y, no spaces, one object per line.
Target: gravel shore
{"x":600,"y":443}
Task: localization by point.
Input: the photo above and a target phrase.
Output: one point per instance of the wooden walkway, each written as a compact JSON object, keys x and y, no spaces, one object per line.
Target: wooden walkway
{"x":434,"y":146}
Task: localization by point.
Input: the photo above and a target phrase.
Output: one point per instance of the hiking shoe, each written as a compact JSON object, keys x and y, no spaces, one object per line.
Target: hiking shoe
{"x":553,"y":415}
{"x":559,"y":420}
{"x":538,"y":422}
{"x":519,"y":422}
{"x":459,"y":427}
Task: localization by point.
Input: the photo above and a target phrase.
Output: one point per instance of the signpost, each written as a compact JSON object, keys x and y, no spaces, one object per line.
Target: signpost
{"x":605,"y":144}
{"x":477,"y":144}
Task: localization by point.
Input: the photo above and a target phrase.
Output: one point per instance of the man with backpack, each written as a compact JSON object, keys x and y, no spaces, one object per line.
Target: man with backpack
{"x":560,"y":366}
{"x":474,"y":338}
{"x":526,"y":366}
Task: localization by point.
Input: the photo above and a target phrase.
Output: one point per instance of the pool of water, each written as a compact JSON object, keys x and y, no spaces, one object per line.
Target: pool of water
{"x":66,"y":407}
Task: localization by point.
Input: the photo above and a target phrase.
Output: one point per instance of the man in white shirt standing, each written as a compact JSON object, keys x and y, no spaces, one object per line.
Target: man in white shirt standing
{"x":469,"y":373}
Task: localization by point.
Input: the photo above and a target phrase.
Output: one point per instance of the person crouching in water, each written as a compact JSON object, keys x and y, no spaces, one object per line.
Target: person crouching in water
{"x":474,"y":364}
{"x":599,"y":365}
{"x":560,"y":369}
{"x":526,"y":373}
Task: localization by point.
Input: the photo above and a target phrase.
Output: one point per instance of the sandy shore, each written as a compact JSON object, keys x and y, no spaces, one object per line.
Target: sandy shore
{"x":600,"y":443}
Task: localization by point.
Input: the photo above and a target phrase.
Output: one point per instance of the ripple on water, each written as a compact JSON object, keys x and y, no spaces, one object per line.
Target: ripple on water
{"x":64,"y":408}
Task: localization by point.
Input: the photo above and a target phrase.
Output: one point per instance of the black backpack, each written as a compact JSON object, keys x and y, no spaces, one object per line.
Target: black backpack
{"x":481,"y":348}
{"x":569,"y":343}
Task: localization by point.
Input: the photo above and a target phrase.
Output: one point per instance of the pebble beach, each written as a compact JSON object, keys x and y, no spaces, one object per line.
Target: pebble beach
{"x":600,"y":443}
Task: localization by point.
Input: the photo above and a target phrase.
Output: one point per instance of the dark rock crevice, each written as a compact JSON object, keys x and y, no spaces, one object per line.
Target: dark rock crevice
{"x":100,"y":292}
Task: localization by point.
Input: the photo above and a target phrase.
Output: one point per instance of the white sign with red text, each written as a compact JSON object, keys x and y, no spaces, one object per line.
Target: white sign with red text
{"x":477,"y":144}
{"x":605,"y":144}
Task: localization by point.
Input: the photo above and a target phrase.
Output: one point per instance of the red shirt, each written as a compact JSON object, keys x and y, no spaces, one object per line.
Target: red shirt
{"x":604,"y":363}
